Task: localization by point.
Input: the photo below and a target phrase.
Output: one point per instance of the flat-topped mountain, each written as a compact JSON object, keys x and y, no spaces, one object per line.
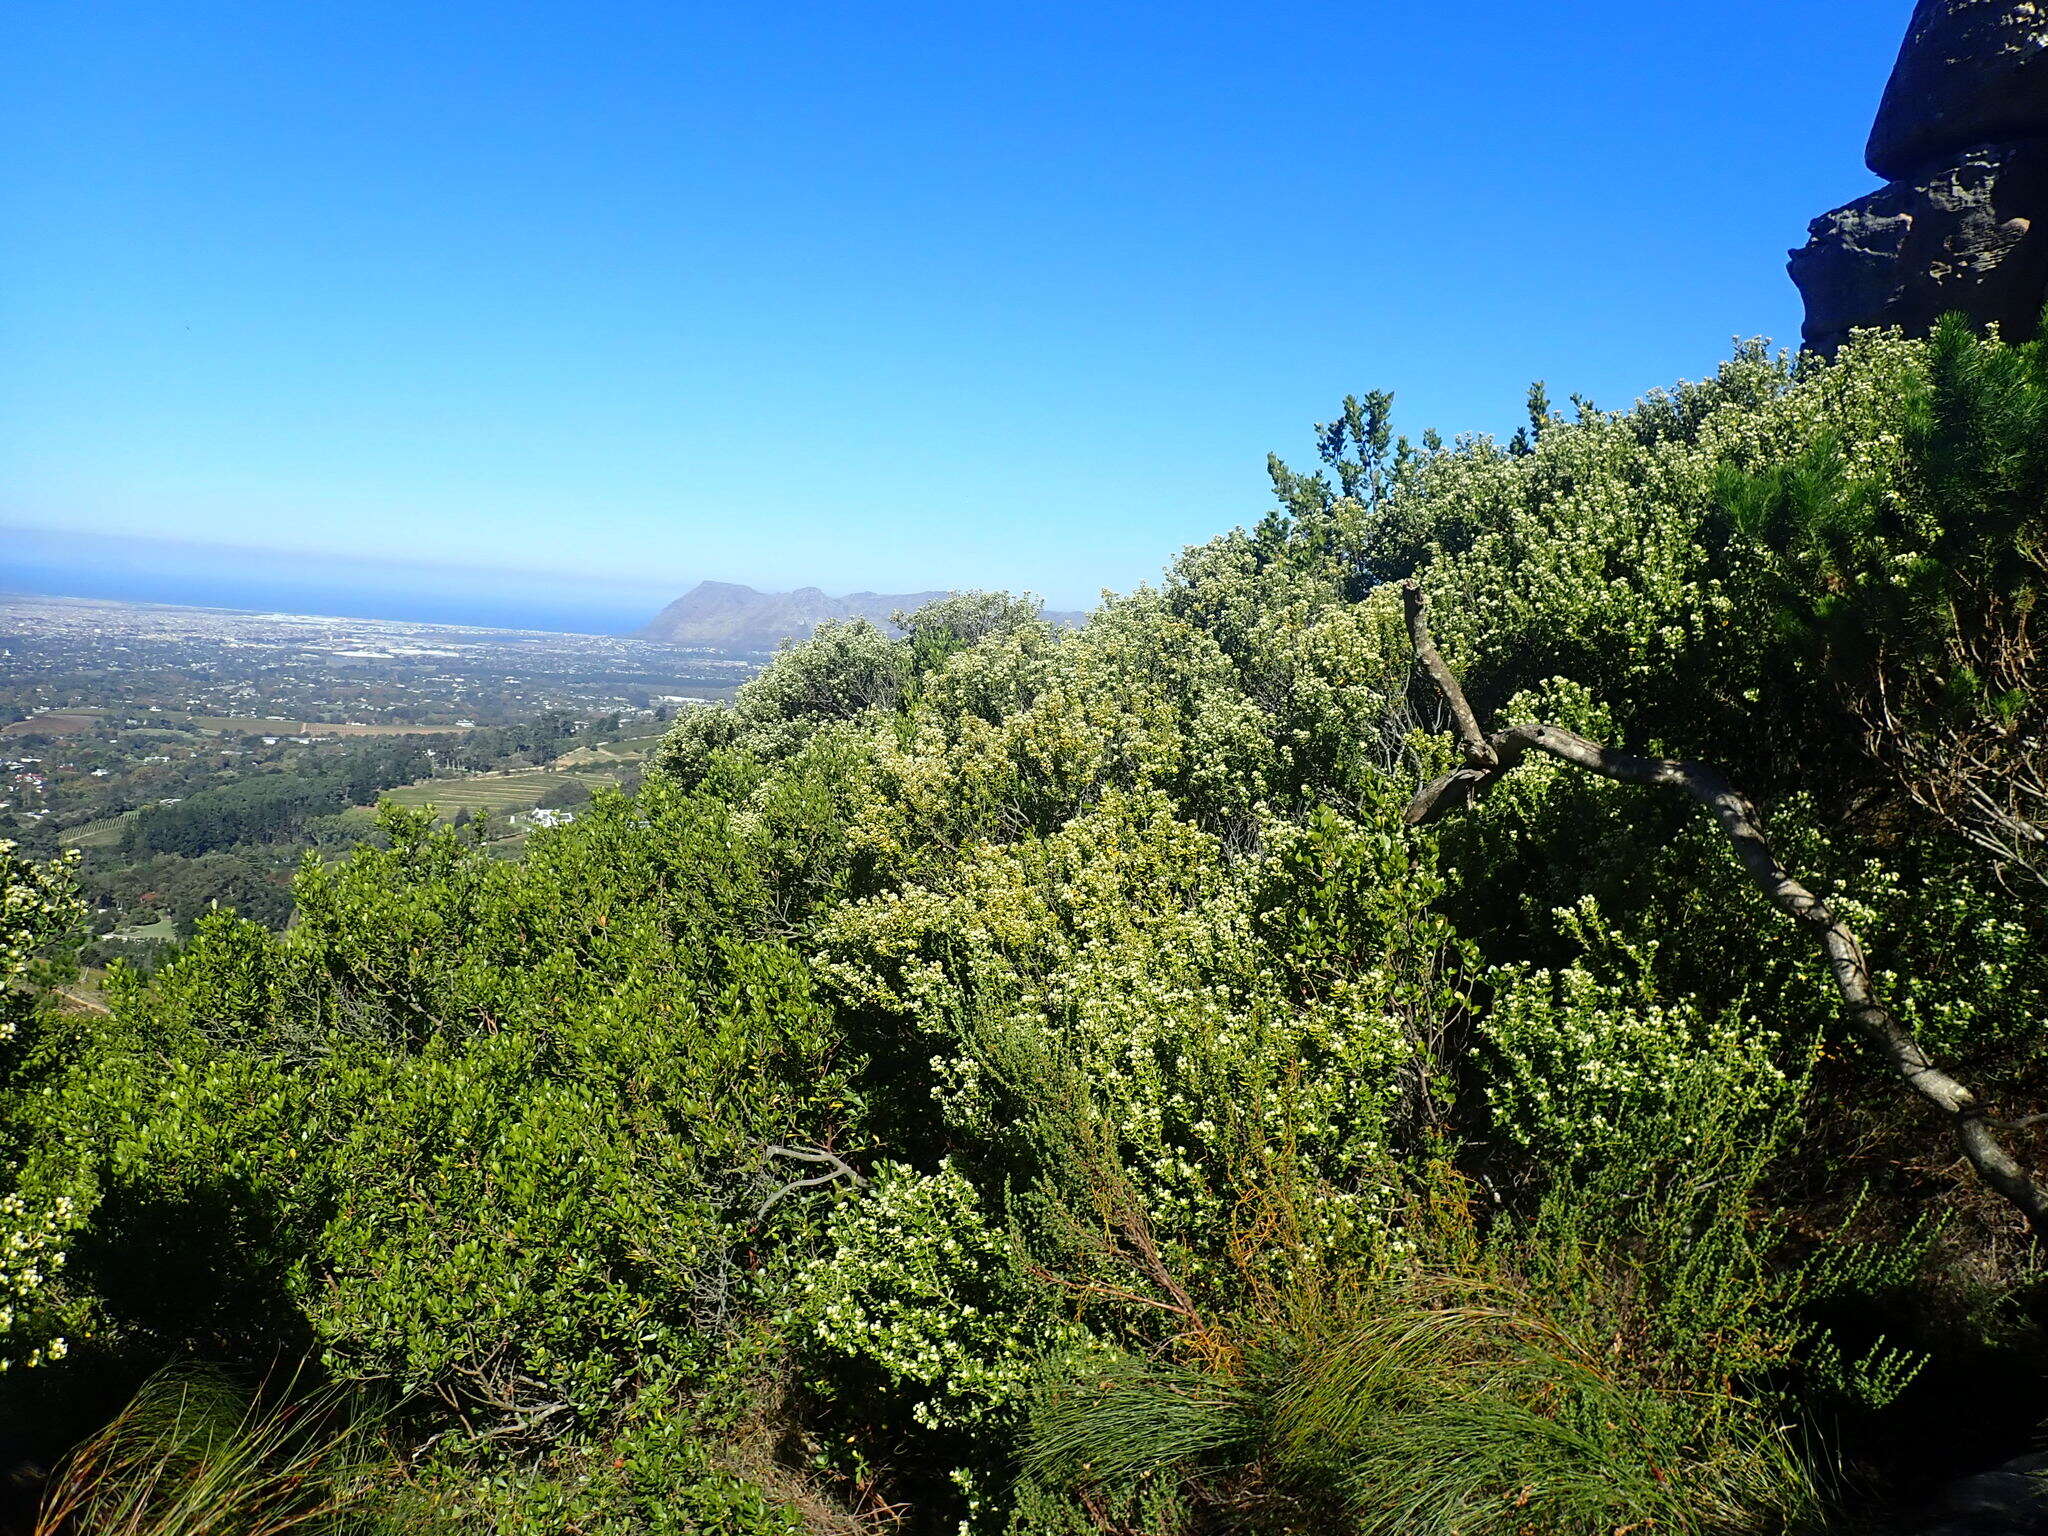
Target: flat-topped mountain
{"x":725,"y":614}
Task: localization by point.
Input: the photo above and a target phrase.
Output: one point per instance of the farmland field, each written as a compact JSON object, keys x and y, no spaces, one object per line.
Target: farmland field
{"x":98,"y":834}
{"x":62,"y":722}
{"x":163,"y":929}
{"x":625,"y":750}
{"x":252,"y":725}
{"x":496,"y":792}
{"x":68,"y":722}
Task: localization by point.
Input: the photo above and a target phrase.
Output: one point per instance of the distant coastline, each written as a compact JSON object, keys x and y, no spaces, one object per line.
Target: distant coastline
{"x":51,"y":563}
{"x":367,"y":613}
{"x":46,"y":562}
{"x":292,"y":616}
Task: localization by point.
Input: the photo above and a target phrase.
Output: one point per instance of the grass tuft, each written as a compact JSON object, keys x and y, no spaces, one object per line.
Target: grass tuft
{"x":193,"y":1454}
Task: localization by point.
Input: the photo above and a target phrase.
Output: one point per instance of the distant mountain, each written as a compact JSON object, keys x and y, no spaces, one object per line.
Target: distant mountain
{"x":732,"y":617}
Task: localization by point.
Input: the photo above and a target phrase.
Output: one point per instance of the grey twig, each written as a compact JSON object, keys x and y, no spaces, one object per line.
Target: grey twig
{"x":836,"y":1169}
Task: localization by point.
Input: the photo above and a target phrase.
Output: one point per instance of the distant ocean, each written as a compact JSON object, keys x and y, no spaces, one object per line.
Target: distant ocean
{"x":59,"y":564}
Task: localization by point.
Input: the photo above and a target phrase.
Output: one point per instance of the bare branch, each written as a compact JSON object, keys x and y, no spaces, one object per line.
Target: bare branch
{"x":1969,"y":1118}
{"x":814,"y":1155}
{"x":838,"y":1169}
{"x":1479,"y":752}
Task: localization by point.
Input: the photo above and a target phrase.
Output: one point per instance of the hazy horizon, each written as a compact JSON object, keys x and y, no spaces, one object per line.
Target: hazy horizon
{"x":54,"y":563}
{"x":51,"y":562}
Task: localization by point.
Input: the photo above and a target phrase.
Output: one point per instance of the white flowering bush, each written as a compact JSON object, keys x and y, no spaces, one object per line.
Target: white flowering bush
{"x":916,"y":1282}
{"x":1591,"y":1056}
{"x":32,"y":1239}
{"x":1603,"y":555}
{"x":1132,"y":953}
{"x":1960,"y":958}
{"x":1149,"y":1044}
{"x":39,"y":909}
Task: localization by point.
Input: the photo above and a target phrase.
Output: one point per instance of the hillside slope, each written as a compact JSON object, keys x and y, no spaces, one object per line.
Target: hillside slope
{"x":1038,"y":1083}
{"x":728,"y":616}
{"x":733,"y":617}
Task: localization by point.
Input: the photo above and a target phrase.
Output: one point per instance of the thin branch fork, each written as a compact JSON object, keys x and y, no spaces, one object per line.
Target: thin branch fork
{"x":1488,"y":757}
{"x":836,"y":1169}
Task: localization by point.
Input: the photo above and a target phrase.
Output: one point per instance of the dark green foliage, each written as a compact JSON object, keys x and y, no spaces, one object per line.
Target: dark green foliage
{"x":486,"y":1134}
{"x":183,"y":889}
{"x":272,"y":806}
{"x":570,"y":792}
{"x":1910,"y":603}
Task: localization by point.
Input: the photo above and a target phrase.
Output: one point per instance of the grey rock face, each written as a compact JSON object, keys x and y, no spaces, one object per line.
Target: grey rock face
{"x":1968,"y":234}
{"x":1962,"y":134}
{"x":2011,"y":1500}
{"x":1971,"y":72}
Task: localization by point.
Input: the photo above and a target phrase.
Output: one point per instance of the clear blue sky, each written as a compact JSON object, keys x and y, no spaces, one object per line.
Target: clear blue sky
{"x":882,"y":296}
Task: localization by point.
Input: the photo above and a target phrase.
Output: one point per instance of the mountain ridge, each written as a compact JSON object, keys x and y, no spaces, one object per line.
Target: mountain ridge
{"x":732,"y":616}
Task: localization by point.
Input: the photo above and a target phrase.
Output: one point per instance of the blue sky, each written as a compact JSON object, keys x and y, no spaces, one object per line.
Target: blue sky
{"x":862,"y":296}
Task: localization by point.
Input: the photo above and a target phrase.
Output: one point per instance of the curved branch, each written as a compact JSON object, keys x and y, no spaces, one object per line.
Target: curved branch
{"x":1479,"y":752}
{"x":1969,"y":1118}
{"x":836,"y":1169}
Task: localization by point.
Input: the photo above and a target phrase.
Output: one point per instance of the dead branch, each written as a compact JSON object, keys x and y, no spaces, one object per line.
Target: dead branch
{"x":1479,"y":752}
{"x":835,"y":1170}
{"x":1970,"y":1119}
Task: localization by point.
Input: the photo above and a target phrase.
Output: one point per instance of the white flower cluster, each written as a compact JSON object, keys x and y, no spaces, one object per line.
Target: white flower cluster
{"x":917,"y":1283}
{"x":1125,"y":941}
{"x":1589,"y":1054}
{"x":37,"y":904}
{"x":37,"y":907}
{"x":1588,"y":554}
{"x":31,"y":1254}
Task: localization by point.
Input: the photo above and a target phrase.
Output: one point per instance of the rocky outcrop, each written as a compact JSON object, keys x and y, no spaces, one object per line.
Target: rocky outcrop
{"x":1971,"y":72}
{"x":1962,"y":136}
{"x":2010,"y":1500}
{"x":1968,"y":234}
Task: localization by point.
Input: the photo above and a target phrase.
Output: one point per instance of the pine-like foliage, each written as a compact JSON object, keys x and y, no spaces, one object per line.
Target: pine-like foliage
{"x":1916,"y":597}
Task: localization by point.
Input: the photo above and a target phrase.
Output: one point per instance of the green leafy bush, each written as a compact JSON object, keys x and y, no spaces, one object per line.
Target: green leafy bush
{"x":1004,"y":1079}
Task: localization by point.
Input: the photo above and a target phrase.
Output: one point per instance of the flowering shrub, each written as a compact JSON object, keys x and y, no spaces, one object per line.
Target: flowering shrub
{"x":1123,"y":1037}
{"x":39,"y":911}
{"x":914,"y":1281}
{"x":31,"y":1254}
{"x":1587,"y":1054}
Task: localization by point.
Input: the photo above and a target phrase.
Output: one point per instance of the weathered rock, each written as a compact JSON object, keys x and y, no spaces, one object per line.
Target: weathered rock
{"x":2011,"y":1500}
{"x":1971,"y":72}
{"x":1969,"y":235}
{"x":1962,"y":134}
